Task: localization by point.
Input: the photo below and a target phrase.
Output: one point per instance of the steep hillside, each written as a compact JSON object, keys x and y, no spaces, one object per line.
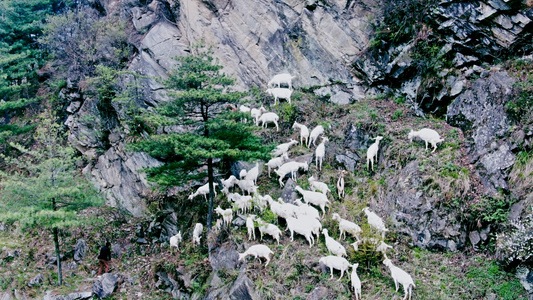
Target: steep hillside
{"x":460,"y":217}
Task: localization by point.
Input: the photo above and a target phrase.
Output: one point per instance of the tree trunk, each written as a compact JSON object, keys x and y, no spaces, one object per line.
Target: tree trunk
{"x":58,"y":255}
{"x":211,"y":179}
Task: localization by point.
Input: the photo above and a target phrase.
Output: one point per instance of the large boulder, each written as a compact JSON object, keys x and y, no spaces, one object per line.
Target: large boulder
{"x":80,"y":249}
{"x":105,"y":285}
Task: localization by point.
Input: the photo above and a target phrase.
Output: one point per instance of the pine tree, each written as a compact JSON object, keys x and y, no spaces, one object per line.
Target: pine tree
{"x":45,"y":189}
{"x":199,"y":99}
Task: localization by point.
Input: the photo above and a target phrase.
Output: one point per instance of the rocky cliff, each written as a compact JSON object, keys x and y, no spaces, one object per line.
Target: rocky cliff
{"x":328,"y":46}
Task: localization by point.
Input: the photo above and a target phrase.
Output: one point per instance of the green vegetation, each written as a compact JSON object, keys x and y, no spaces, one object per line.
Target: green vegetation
{"x":44,"y":189}
{"x":199,"y":95}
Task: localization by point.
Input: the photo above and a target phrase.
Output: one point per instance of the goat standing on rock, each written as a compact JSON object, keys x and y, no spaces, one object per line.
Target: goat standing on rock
{"x":304,"y":132}
{"x":278,"y":79}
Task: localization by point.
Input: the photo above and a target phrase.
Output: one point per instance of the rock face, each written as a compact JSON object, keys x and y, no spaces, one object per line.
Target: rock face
{"x":80,"y":250}
{"x":415,"y":213}
{"x":480,"y":113}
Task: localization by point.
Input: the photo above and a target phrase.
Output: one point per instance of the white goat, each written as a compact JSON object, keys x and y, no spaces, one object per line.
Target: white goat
{"x":197,"y":233}
{"x":320,"y":152}
{"x":400,"y":277}
{"x":259,"y":201}
{"x":356,"y":282}
{"x":203,"y":190}
{"x":218,"y":224}
{"x":347,"y":226}
{"x":226,"y":214}
{"x":280,"y":93}
{"x":304,"y":132}
{"x":315,"y":198}
{"x":314,"y":135}
{"x":257,"y":112}
{"x":312,"y":222}
{"x":175,"y":241}
{"x":279,"y":209}
{"x":340,"y":184}
{"x":283,"y":148}
{"x":318,"y":186}
{"x":244,"y":109}
{"x":243,"y":203}
{"x":296,"y":225}
{"x":247,"y":186}
{"x":242,"y":174}
{"x":281,"y":78}
{"x":428,"y":136}
{"x":266,"y":118}
{"x":257,"y":251}
{"x":292,"y":168}
{"x":276,"y":162}
{"x":379,"y":245}
{"x":253,"y":173}
{"x":333,"y":246}
{"x":375,"y":221}
{"x":228,"y":183}
{"x":250,"y":226}
{"x":335,"y":262}
{"x":269,"y":229}
{"x":372,"y":152}
{"x":306,"y":210}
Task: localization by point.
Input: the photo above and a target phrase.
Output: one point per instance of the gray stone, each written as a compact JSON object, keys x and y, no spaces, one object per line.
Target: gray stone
{"x":288,"y":194}
{"x":223,"y":256}
{"x":348,"y":160}
{"x":71,"y":296}
{"x":484,"y":233}
{"x":318,"y":293}
{"x":165,"y":283}
{"x":239,"y":220}
{"x":80,"y":249}
{"x":336,"y":94}
{"x":242,"y":288}
{"x":37,"y":280}
{"x":105,"y":285}
{"x":6,"y":296}
{"x":457,"y":88}
{"x":474,"y":237}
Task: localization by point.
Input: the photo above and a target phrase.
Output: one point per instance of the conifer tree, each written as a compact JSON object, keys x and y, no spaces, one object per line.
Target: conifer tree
{"x":199,"y":99}
{"x":45,"y":188}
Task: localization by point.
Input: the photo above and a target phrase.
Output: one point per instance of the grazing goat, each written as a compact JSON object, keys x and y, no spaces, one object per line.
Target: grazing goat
{"x":306,"y":210}
{"x":428,"y":136}
{"x":372,"y":152}
{"x":276,"y":162}
{"x":203,"y":190}
{"x":314,"y":135}
{"x":281,"y":78}
{"x":356,"y":282}
{"x":226,"y":214}
{"x":175,"y":241}
{"x":247,"y":186}
{"x":318,"y":186}
{"x":257,"y":251}
{"x":269,"y":229}
{"x":257,"y":112}
{"x":266,"y":118}
{"x":347,"y":226}
{"x":283,"y":148}
{"x":400,"y":277}
{"x":304,"y":132}
{"x":320,"y":153}
{"x":333,"y":246}
{"x":315,"y":198}
{"x":290,"y":168}
{"x":340,"y":184}
{"x":335,"y":262}
{"x":375,"y":221}
{"x":300,"y":227}
{"x":280,"y":93}
{"x":197,"y":233}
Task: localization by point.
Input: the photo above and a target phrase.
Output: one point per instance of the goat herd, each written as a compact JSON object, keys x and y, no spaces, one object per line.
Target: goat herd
{"x":302,"y":217}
